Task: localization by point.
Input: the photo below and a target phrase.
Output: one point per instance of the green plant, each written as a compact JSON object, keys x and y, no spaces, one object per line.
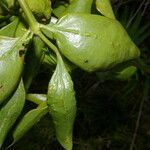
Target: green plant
{"x":75,"y":38}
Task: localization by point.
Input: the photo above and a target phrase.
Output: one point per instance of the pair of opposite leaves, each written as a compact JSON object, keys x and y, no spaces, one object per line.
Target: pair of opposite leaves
{"x":62,"y":104}
{"x":11,"y":111}
{"x":16,"y":29}
{"x":54,"y":112}
{"x":11,"y":65}
{"x":58,"y":110}
{"x":93,"y":42}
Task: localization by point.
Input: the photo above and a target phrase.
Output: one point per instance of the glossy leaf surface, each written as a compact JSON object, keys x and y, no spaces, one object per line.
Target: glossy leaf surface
{"x":29,"y":120}
{"x":11,"y":63}
{"x":20,"y":30}
{"x":93,"y":42}
{"x":10,"y":112}
{"x":104,"y":7}
{"x":79,"y":6}
{"x":59,"y":8}
{"x":13,"y":29}
{"x":62,"y":104}
{"x":10,"y":29}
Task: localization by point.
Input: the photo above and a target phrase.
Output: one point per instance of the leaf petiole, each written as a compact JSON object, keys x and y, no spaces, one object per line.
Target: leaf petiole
{"x":29,"y":16}
{"x":34,"y":25}
{"x":37,"y":98}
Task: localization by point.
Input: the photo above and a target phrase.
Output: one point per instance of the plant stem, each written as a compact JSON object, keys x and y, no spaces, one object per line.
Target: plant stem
{"x":34,"y":25}
{"x":29,"y":16}
{"x":50,"y":44}
{"x":145,"y":93}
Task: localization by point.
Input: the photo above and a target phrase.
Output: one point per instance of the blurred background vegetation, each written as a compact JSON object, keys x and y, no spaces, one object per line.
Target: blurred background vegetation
{"x":112,"y":115}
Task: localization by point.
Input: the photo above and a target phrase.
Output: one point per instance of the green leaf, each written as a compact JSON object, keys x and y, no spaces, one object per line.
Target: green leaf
{"x":10,"y":29}
{"x":62,"y":104}
{"x":93,"y":42}
{"x":11,"y":63}
{"x":29,"y":120}
{"x":20,"y":30}
{"x":59,"y":8}
{"x":10,"y":112}
{"x":104,"y":7}
{"x":14,"y":29}
{"x":79,"y":6}
{"x":126,"y":73}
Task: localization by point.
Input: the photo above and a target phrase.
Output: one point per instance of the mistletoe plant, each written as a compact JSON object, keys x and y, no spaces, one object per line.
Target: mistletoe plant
{"x":66,"y":36}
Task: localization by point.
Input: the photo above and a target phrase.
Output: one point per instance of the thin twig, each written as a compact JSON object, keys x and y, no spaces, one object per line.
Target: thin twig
{"x":120,"y":3}
{"x":132,"y":18}
{"x":137,"y":124}
{"x":146,"y":6}
{"x":146,"y":90}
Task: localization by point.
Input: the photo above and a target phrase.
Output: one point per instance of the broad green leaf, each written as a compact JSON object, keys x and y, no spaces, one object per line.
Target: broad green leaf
{"x":93,"y":42}
{"x":20,"y":30}
{"x":10,"y":29}
{"x":41,"y":8}
{"x":29,"y":120}
{"x":33,"y":61}
{"x":10,"y":112}
{"x":11,"y":63}
{"x":104,"y":7}
{"x":62,"y":104}
{"x":79,"y":6}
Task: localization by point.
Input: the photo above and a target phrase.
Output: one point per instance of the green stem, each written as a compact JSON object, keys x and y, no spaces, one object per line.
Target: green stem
{"x":50,"y":44}
{"x":35,"y":27}
{"x":30,"y":18}
{"x":145,"y":98}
